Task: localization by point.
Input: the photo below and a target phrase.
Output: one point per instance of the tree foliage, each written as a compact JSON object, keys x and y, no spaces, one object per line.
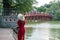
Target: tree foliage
{"x":24,"y":5}
{"x":55,"y":7}
{"x":47,"y":5}
{"x":20,"y":5}
{"x":41,"y":9}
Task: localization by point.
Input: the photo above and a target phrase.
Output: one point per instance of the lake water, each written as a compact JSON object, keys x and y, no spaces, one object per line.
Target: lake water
{"x":43,"y":31}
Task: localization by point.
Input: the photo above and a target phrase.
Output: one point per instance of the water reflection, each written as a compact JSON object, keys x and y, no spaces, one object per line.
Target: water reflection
{"x":38,"y":34}
{"x":28,"y":32}
{"x":44,"y":31}
{"x":55,"y":34}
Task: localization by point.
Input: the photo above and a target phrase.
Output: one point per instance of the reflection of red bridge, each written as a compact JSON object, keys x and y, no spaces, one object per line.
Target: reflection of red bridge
{"x":38,"y":16}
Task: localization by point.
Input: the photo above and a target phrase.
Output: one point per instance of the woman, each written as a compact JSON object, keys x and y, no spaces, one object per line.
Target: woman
{"x":21,"y":29}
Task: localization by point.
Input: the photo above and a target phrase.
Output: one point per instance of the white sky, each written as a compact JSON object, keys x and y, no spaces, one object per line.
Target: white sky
{"x":42,"y":2}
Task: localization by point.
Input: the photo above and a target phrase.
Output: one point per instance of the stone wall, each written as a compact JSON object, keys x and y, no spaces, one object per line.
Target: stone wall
{"x":8,"y":21}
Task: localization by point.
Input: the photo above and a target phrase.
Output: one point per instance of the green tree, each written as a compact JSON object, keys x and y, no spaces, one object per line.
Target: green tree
{"x":41,"y":9}
{"x":21,"y":5}
{"x":1,"y":6}
{"x":55,"y":6}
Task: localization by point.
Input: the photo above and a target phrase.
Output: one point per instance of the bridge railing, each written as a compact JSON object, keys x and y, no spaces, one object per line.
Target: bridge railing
{"x":15,"y":31}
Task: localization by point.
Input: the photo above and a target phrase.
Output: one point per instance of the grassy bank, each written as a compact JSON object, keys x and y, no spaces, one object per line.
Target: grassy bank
{"x":33,"y":22}
{"x":54,"y":22}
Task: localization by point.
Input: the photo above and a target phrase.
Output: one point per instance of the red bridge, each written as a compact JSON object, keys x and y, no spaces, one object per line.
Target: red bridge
{"x":38,"y":16}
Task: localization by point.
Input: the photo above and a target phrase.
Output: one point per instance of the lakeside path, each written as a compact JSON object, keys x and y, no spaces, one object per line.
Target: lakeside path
{"x":6,"y":34}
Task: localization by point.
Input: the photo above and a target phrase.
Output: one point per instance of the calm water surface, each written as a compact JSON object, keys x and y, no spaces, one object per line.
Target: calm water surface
{"x":43,"y":31}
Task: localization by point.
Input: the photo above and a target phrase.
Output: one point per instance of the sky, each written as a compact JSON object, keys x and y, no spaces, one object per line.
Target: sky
{"x":42,"y":2}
